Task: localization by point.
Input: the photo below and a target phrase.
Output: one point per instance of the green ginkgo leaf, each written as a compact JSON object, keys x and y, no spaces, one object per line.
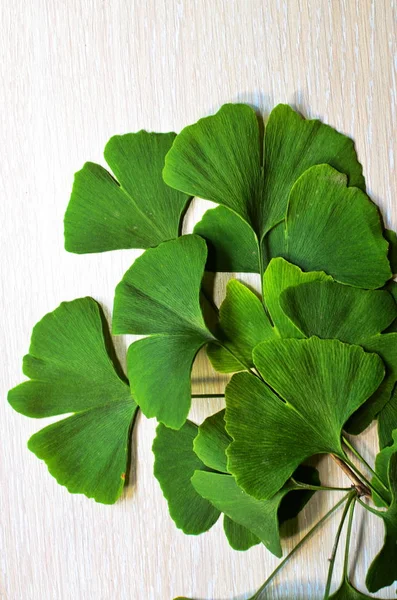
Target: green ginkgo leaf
{"x":160,"y":294}
{"x":391,"y":287}
{"x":135,"y":210}
{"x":70,"y":371}
{"x":243,"y":324}
{"x":386,"y":347}
{"x":391,"y":237}
{"x":238,"y":536}
{"x":383,"y":458}
{"x":279,"y":276}
{"x":315,"y":386}
{"x":232,"y":243}
{"x":291,"y":146}
{"x":347,"y":591}
{"x":334,"y":228}
{"x":387,"y":420}
{"x":258,"y":516}
{"x":174,"y":465}
{"x":212,"y":441}
{"x":219,"y":158}
{"x":383,"y":570}
{"x":211,"y":445}
{"x":334,"y":311}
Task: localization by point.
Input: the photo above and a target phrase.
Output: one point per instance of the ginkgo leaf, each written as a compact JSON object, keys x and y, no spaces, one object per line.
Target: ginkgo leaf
{"x":70,"y":371}
{"x":383,"y":570}
{"x":232,"y":243}
{"x":135,"y":211}
{"x":392,"y":239}
{"x":212,"y":441}
{"x":174,"y":465}
{"x":260,"y":517}
{"x":318,"y":384}
{"x":380,"y":482}
{"x":292,"y":145}
{"x":257,"y":516}
{"x":238,"y":536}
{"x":159,"y":295}
{"x":219,"y":158}
{"x":279,"y":276}
{"x":211,"y":445}
{"x":243,"y":324}
{"x":386,"y":347}
{"x":347,"y":591}
{"x":336,"y":229}
{"x":387,"y":420}
{"x":334,"y":311}
{"x":391,"y":287}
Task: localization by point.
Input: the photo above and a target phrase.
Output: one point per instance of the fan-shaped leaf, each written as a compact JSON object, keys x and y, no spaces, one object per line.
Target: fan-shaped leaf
{"x":212,"y":441}
{"x":392,"y":239}
{"x":71,"y":372}
{"x":335,"y":311}
{"x":260,"y":517}
{"x":387,"y":420}
{"x":137,"y":211}
{"x":239,"y":537}
{"x":382,"y":462}
{"x":175,"y":464}
{"x":386,"y":347}
{"x":319,"y":384}
{"x":336,"y":229}
{"x":159,"y":295}
{"x":257,"y":516}
{"x":219,"y":158}
{"x":293,"y":145}
{"x":232,"y":243}
{"x":383,"y":570}
{"x":243,"y":324}
{"x":279,"y":276}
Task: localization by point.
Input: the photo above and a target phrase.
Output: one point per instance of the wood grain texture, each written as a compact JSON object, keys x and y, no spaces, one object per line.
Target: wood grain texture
{"x":73,"y":73}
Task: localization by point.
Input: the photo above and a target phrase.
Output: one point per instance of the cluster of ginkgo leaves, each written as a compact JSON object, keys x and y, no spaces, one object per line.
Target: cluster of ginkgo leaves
{"x":314,"y":356}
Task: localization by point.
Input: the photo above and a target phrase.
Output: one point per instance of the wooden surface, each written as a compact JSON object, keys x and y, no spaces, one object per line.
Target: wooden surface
{"x":73,"y":73}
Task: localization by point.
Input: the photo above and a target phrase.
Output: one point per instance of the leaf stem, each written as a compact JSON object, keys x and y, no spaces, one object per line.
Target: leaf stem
{"x":306,"y":486}
{"x":348,"y":538}
{"x":349,"y":470}
{"x":352,"y":497}
{"x":362,"y":459}
{"x":257,"y":595}
{"x":371,"y":509}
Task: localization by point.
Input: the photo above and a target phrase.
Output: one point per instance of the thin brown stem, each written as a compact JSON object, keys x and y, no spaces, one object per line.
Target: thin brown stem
{"x":362,"y":489}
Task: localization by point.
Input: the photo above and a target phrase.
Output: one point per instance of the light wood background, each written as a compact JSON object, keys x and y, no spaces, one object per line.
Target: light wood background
{"x":73,"y":73}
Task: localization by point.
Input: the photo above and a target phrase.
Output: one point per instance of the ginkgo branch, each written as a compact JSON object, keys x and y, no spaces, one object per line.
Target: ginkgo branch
{"x":364,"y":462}
{"x":362,"y":489}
